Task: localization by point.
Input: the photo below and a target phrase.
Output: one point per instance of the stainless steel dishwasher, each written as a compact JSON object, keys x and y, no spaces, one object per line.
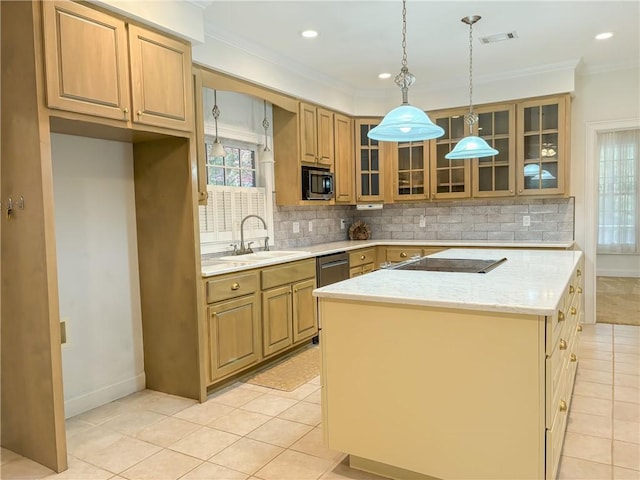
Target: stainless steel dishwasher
{"x":331,"y":268}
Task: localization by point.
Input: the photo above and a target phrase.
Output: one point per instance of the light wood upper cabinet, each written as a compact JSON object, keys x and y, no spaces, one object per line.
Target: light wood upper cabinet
{"x":316,"y":135}
{"x":344,"y":160}
{"x":410,"y":166}
{"x":86,"y":61}
{"x":449,"y":178}
{"x":495,"y":176}
{"x":160,"y":80}
{"x":369,"y":165}
{"x":89,"y":69}
{"x":543,"y":151}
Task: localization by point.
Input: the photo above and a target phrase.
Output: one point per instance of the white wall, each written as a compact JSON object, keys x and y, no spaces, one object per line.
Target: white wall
{"x":599,"y":98}
{"x":618,"y":265}
{"x":97,"y":270}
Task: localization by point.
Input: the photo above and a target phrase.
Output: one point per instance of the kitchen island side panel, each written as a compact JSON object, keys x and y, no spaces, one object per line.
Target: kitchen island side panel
{"x":442,"y":392}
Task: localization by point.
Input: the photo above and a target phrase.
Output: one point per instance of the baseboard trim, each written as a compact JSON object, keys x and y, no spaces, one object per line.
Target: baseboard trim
{"x":616,"y":273}
{"x":109,"y":393}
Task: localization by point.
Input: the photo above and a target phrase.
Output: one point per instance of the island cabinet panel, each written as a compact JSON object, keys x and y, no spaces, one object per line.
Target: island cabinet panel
{"x":457,"y":384}
{"x":491,"y":387}
{"x":86,"y":61}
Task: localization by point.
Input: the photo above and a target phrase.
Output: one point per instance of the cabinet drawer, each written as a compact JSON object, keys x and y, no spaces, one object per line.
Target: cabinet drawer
{"x":554,"y":327}
{"x":402,"y":254}
{"x":431,"y":250}
{"x":360,"y":257}
{"x":554,"y":375}
{"x":288,"y":273}
{"x":233,"y":286}
{"x":554,"y":440}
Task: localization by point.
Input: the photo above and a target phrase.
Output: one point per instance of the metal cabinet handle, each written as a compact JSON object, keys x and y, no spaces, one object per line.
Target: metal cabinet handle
{"x":125,"y":110}
{"x":362,"y":257}
{"x":571,"y":289}
{"x":573,"y":310}
{"x":563,"y":406}
{"x":403,"y":254}
{"x":579,"y":289}
{"x":139,"y":112}
{"x":563,"y":344}
{"x":578,"y":273}
{"x":579,"y":328}
{"x":560,"y":316}
{"x":574,"y":357}
{"x":235,"y":286}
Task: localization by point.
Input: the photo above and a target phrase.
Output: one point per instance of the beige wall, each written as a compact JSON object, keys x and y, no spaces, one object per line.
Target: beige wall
{"x":600,"y":97}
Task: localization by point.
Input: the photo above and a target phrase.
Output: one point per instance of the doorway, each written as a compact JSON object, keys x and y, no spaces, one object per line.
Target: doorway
{"x":613,"y":233}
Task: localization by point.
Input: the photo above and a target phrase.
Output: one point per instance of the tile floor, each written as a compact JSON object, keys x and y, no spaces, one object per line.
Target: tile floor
{"x":252,"y":432}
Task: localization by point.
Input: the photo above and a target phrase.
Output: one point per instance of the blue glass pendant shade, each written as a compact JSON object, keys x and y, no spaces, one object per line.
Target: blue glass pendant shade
{"x":405,"y":123}
{"x":471,"y":147}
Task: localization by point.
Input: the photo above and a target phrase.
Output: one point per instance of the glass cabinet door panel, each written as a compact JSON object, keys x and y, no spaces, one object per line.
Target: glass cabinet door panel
{"x":369,"y":169}
{"x":497,"y":128}
{"x":549,"y":117}
{"x":532,"y":148}
{"x":532,"y":119}
{"x":501,"y":123}
{"x":411,"y":173}
{"x":457,"y":127}
{"x":549,"y":146}
{"x":444,"y":124}
{"x":443,"y":170}
{"x":364,"y":181}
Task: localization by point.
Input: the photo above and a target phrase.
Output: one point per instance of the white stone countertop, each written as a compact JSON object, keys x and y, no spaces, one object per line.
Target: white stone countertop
{"x":528,"y":282}
{"x":215,"y":266}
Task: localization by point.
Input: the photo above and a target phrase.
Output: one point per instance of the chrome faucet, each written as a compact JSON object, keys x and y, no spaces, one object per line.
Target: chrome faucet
{"x":242,"y":250}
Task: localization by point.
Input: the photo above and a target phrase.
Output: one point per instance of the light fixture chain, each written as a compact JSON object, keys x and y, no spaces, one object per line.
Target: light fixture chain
{"x":470,"y":67}
{"x":404,"y":33}
{"x":215,"y":111}
{"x":265,"y":125}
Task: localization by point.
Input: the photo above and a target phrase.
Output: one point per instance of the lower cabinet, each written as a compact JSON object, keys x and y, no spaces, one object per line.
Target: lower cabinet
{"x":362,"y":261}
{"x":289,"y":310}
{"x":233,"y":324}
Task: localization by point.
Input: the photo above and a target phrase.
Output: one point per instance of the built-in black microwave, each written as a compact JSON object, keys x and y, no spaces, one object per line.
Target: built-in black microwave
{"x":317,"y":184}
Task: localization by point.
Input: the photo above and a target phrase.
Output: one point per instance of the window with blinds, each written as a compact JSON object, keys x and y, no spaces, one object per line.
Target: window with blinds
{"x":226,"y":207}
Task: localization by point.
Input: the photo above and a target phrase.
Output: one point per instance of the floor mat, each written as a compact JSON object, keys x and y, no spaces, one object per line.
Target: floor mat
{"x":290,"y":373}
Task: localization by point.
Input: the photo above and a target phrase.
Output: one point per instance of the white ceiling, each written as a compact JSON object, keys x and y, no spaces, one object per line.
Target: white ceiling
{"x":360,"y":39}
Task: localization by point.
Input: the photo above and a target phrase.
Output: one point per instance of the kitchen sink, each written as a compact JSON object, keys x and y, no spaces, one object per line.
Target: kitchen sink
{"x":262,"y":255}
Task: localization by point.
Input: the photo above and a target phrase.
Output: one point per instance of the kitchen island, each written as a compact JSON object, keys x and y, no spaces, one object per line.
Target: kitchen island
{"x":453,"y":375}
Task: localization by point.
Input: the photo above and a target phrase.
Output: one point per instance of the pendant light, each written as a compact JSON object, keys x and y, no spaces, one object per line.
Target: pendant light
{"x":471,"y":146}
{"x":267,"y":154}
{"x":218,"y":149}
{"x":405,"y":123}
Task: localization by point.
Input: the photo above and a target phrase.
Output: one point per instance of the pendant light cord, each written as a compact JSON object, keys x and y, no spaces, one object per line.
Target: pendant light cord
{"x":265,"y":125}
{"x":405,"y":78}
{"x":471,"y":118}
{"x":215,"y":111}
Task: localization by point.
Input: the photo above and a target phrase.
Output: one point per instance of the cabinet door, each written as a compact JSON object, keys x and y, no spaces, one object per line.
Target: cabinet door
{"x":369,"y":169}
{"x":308,"y":133}
{"x":305,"y":310}
{"x":411,"y":171}
{"x":344,"y":164}
{"x":542,"y":149}
{"x":495,"y":176}
{"x":85,"y":61}
{"x":233,"y":333}
{"x":449,"y":178}
{"x":160,"y":80}
{"x":277,"y":311}
{"x":325,"y":138}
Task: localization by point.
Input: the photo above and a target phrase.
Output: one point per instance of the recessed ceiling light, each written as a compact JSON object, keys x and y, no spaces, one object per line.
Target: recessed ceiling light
{"x":384,"y":76}
{"x":309,"y":34}
{"x":604,"y":36}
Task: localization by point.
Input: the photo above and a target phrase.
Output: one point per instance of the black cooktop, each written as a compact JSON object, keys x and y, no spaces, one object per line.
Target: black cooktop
{"x":466,"y":265}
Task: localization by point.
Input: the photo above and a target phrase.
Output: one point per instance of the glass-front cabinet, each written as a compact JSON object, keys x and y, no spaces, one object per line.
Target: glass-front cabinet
{"x":542,"y":150}
{"x":495,"y":176}
{"x":411,"y":171}
{"x":369,"y":165}
{"x":449,"y":178}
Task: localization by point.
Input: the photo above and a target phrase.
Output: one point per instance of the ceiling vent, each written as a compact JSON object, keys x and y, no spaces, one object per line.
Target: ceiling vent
{"x":498,"y":37}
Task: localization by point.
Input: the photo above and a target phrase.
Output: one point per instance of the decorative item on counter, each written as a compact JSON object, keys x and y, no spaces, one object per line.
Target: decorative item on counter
{"x":359,"y":231}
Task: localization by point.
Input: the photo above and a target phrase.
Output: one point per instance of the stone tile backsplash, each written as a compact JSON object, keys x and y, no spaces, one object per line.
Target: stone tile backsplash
{"x":551,"y":219}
